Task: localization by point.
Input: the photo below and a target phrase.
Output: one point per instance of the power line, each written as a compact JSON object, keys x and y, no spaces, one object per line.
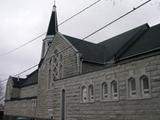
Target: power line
{"x":106,"y":25}
{"x":22,"y":45}
{"x":2,"y":81}
{"x":116,"y":20}
{"x":26,"y":70}
{"x":79,"y":12}
{"x":2,"y":98}
{"x":46,"y":32}
{"x":68,"y":47}
{"x":87,"y":36}
{"x":20,"y":73}
{"x":70,"y":19}
{"x":5,"y":80}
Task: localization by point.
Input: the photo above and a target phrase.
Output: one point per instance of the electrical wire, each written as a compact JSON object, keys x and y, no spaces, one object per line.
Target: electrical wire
{"x":20,"y":73}
{"x":2,"y":98}
{"x":4,"y":54}
{"x":26,"y":70}
{"x":22,"y":45}
{"x":79,"y":12}
{"x":11,"y":51}
{"x":88,"y":35}
{"x":116,"y":20}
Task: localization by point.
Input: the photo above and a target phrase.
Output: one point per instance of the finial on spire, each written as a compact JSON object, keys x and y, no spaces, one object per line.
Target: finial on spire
{"x":54,"y":2}
{"x":54,"y":6}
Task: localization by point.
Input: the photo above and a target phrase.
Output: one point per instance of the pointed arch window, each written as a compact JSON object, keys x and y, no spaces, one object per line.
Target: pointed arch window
{"x":132,"y":87}
{"x":114,"y":90}
{"x":91,"y":92}
{"x":104,"y":90}
{"x":144,"y":84}
{"x":84,"y":94}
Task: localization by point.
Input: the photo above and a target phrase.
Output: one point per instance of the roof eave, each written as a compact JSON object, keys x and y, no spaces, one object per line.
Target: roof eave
{"x":63,"y":37}
{"x":136,"y":55}
{"x":95,"y":62}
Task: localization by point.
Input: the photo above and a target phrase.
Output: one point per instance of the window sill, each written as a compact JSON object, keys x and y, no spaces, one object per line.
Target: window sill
{"x":109,"y":100}
{"x":139,"y":97}
{"x":49,"y":89}
{"x":88,"y":102}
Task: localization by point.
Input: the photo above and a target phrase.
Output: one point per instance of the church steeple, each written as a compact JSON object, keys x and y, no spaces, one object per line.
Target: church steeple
{"x":53,"y":25}
{"x":52,"y":30}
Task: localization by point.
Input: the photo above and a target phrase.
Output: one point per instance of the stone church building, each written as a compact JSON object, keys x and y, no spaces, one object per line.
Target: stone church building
{"x":117,"y":79}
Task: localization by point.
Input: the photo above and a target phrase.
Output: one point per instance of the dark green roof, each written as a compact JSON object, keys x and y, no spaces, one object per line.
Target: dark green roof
{"x":136,"y":41}
{"x":148,"y":42}
{"x":22,"y":82}
{"x":90,"y":51}
{"x":119,"y":44}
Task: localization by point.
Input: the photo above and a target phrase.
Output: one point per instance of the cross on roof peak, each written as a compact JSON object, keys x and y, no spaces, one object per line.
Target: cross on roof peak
{"x":54,"y":2}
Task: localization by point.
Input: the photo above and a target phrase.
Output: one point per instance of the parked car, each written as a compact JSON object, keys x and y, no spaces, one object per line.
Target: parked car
{"x":23,"y":118}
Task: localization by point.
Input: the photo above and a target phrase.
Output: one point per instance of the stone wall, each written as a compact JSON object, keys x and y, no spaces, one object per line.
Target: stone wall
{"x":71,"y":67}
{"x":23,"y":102}
{"x":25,"y":108}
{"x":122,"y":109}
{"x":28,"y":91}
{"x":15,"y":93}
{"x":69,"y":53}
{"x":89,"y":67}
{"x":9,"y":88}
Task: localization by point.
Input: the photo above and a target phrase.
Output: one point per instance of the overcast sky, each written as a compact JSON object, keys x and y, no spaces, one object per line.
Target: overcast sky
{"x":23,"y":20}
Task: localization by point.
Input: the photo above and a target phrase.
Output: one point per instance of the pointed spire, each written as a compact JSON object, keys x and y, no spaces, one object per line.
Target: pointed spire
{"x":53,"y":25}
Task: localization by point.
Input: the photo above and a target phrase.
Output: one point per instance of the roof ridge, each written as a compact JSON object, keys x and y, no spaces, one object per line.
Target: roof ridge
{"x":130,"y":42}
{"x":155,"y":25}
{"x":90,"y":51}
{"x":32,"y":73}
{"x":146,"y":24}
{"x":79,"y":39}
{"x":17,"y":78}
